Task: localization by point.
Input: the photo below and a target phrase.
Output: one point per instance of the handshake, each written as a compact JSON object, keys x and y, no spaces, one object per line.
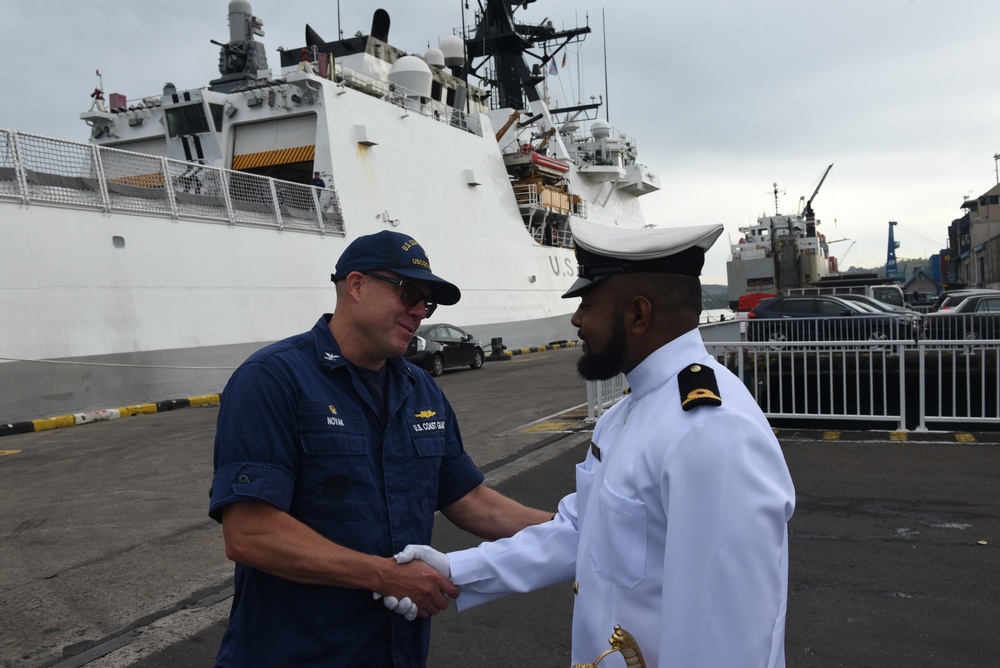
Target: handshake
{"x":437,"y":560}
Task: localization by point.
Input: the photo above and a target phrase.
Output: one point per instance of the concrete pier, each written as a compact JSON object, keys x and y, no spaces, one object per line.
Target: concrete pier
{"x":109,"y":558}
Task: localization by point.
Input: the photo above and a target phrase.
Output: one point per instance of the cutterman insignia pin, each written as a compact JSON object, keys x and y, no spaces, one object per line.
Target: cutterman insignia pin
{"x":698,"y":387}
{"x":425,"y":414}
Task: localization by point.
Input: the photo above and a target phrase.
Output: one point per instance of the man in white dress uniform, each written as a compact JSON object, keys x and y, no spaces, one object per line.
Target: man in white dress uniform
{"x":677,"y":531}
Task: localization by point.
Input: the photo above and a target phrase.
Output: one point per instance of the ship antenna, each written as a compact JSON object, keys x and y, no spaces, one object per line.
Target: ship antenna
{"x":340,"y":32}
{"x":776,"y":193}
{"x":607,"y":97}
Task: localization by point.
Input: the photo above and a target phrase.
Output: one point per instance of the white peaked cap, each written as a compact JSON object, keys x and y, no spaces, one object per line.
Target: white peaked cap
{"x":603,"y":251}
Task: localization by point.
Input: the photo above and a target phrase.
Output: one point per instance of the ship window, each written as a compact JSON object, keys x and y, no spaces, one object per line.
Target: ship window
{"x":216,"y":110}
{"x":186,"y":120}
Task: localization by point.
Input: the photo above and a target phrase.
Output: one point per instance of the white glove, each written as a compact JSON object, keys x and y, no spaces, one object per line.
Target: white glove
{"x":427,"y":554}
{"x":404,"y":607}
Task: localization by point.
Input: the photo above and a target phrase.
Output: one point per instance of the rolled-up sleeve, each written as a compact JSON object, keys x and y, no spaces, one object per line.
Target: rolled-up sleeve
{"x":250,"y":481}
{"x":256,"y":441}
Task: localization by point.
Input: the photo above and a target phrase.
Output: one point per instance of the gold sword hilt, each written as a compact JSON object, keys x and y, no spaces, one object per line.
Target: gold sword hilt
{"x":621,"y":641}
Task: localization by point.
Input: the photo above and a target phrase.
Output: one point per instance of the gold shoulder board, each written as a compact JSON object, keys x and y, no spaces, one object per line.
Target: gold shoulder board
{"x":698,"y":387}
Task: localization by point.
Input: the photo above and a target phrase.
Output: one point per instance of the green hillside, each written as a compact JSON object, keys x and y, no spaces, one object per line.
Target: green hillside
{"x":714,"y":296}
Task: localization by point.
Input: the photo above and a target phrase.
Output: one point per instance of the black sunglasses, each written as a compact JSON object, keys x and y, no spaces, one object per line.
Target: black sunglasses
{"x":411,"y":294}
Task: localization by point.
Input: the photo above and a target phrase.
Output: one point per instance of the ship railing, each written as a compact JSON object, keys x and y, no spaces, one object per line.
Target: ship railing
{"x":42,"y":170}
{"x":552,"y":233}
{"x":410,"y":101}
{"x":901,"y":385}
{"x":555,"y":200}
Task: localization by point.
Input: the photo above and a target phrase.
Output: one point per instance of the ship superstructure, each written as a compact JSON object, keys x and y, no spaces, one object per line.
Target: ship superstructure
{"x":779,"y":252}
{"x":146,"y":264}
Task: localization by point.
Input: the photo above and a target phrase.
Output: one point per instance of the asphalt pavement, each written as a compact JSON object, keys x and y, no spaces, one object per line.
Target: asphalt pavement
{"x":110,"y":560}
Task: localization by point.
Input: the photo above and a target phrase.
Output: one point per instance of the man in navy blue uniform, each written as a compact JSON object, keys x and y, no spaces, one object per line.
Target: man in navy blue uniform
{"x":332,"y":453}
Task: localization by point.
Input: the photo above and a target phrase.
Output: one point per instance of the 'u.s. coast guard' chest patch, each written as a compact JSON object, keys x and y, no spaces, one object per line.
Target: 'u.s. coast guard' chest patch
{"x":698,"y":387}
{"x":426,"y":420}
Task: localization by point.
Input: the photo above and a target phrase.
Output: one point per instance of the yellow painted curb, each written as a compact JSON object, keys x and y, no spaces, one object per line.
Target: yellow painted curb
{"x":54,"y":422}
{"x":551,"y":426}
{"x":138,"y":408}
{"x":204,"y":400}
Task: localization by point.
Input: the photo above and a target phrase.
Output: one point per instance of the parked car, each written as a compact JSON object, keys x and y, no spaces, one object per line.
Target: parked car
{"x":878,"y":306}
{"x":977,"y":316}
{"x":439,"y":347}
{"x":951,"y":298}
{"x":824,"y":318}
{"x":920,"y":300}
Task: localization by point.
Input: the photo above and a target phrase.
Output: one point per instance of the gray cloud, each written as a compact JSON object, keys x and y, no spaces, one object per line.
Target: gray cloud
{"x":724,"y":97}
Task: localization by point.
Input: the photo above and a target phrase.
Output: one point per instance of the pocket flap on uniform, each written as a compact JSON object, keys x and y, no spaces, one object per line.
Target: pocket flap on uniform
{"x":430,"y":446}
{"x":333,"y":444}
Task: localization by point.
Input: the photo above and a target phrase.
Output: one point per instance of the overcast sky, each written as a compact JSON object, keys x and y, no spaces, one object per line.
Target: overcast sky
{"x":724,"y":97}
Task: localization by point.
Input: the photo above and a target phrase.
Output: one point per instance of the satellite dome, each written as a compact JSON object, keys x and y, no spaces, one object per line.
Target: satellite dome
{"x":600,"y":130}
{"x":453,"y":49}
{"x":412,"y":74}
{"x":434,"y":57}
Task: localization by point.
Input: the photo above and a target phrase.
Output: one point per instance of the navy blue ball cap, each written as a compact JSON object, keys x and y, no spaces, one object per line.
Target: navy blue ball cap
{"x":400,"y":254}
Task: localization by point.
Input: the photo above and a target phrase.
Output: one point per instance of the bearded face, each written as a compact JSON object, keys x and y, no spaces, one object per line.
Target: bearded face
{"x":604,"y":351}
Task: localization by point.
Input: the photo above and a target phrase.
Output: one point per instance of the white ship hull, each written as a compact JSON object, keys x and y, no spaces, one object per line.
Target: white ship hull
{"x":132,"y":277}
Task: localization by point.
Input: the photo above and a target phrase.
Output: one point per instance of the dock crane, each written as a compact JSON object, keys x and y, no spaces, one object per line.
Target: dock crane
{"x":807,"y":212}
{"x":890,"y":256}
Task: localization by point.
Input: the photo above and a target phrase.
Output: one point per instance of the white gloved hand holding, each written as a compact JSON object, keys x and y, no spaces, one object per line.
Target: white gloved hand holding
{"x":404,"y":606}
{"x":427,"y":554}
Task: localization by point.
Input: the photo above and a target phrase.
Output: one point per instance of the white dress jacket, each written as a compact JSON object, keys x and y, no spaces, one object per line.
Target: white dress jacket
{"x":677,"y":530}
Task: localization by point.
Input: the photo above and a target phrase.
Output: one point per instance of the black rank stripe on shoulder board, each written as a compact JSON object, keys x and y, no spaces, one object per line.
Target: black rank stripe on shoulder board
{"x":698,"y":387}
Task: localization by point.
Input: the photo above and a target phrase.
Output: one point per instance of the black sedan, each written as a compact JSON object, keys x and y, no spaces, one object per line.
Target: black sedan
{"x":975,"y":317}
{"x":439,"y":347}
{"x":823,"y":318}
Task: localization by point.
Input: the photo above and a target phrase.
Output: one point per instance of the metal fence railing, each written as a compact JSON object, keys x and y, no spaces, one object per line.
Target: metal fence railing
{"x":822,"y":381}
{"x":41,"y":170}
{"x":603,"y":394}
{"x":875,"y":328}
{"x":901,"y":384}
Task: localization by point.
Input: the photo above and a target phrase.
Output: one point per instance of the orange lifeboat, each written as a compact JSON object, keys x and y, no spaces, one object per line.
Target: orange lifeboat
{"x":550,"y":163}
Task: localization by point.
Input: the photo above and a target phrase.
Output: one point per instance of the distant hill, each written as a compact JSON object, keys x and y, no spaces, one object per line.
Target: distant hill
{"x":714,"y":296}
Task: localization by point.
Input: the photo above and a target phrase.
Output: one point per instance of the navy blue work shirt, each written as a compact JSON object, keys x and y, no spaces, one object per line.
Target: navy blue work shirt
{"x":298,"y":429}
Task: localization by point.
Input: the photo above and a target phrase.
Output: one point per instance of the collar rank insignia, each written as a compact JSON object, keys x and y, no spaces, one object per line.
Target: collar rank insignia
{"x":596,"y":451}
{"x":698,"y":387}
